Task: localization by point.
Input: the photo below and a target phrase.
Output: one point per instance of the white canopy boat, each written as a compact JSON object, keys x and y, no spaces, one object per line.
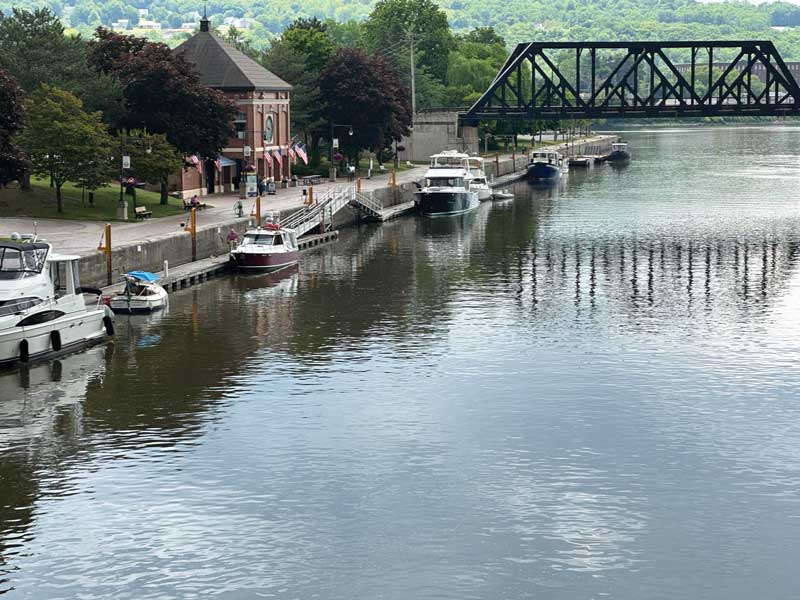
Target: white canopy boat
{"x":141,"y":294}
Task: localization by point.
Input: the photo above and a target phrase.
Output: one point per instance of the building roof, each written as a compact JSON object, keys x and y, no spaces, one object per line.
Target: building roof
{"x":223,"y":67}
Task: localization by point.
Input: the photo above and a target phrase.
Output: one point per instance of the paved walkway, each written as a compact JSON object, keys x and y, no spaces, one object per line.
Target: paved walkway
{"x":82,"y":237}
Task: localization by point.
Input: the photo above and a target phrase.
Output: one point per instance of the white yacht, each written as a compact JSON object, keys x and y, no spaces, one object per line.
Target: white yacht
{"x":479,"y":183}
{"x":42,"y":308}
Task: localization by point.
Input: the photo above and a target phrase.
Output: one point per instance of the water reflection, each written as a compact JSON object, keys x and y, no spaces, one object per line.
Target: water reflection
{"x":588,"y":391}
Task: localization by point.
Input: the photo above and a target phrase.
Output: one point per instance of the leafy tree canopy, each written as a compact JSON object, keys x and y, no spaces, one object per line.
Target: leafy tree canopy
{"x":393,"y":21}
{"x":163,"y":93}
{"x":35,"y":50}
{"x":64,"y":142}
{"x":11,"y":118}
{"x":365,"y":92}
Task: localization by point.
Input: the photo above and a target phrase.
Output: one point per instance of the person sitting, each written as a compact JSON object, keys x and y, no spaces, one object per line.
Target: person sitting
{"x":233,"y":237}
{"x":195,"y":201}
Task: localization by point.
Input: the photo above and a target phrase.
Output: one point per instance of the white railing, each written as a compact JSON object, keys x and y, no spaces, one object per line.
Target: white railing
{"x":321,"y":212}
{"x":368,"y":202}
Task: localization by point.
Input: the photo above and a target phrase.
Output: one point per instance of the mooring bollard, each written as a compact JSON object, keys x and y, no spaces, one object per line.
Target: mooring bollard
{"x":193,"y":232}
{"x":166,"y":268}
{"x":105,"y":246}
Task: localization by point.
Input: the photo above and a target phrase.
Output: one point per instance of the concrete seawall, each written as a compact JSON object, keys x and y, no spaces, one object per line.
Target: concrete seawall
{"x":149,"y":254}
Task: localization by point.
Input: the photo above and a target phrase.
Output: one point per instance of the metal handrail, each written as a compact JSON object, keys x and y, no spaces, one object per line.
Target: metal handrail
{"x":369,"y":202}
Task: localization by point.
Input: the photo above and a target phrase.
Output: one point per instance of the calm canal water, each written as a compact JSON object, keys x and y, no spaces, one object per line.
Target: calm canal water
{"x":588,"y":392}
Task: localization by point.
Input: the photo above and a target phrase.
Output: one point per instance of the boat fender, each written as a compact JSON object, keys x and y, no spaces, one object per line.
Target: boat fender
{"x":109,"y":324}
{"x":24,"y":353}
{"x":55,"y":340}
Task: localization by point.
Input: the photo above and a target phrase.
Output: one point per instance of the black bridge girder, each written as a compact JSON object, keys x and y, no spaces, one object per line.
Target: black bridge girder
{"x":599,"y":80}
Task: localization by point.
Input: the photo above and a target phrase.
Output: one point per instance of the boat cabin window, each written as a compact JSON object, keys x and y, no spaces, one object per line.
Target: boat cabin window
{"x":17,"y":305}
{"x":65,"y":277}
{"x":16,"y":263}
{"x":447,"y":161}
{"x":619,"y":146}
{"x":40,"y":317}
{"x":445,"y":182}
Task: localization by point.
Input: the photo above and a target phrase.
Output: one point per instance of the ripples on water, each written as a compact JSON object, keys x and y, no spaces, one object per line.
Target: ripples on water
{"x":588,"y":392}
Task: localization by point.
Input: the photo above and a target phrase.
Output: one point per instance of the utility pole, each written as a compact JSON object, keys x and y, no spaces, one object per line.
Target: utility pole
{"x":413,"y":100}
{"x":413,"y":82}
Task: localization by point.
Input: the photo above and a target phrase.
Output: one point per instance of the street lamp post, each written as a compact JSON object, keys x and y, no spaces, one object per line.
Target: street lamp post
{"x":349,"y":132}
{"x":124,"y":139}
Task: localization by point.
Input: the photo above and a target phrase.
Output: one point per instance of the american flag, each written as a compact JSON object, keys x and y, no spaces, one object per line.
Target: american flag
{"x":218,"y":164}
{"x":278,"y":157}
{"x":268,"y":157}
{"x":292,"y":154}
{"x":300,"y":150}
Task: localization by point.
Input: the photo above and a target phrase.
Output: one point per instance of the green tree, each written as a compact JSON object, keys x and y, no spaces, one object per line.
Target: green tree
{"x":298,"y":57}
{"x":62,"y":141}
{"x":35,"y":50}
{"x":394,"y":21}
{"x":12,"y":114}
{"x":153,"y":158}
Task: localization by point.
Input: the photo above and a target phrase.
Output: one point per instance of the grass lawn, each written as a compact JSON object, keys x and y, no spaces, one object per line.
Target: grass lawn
{"x":40,"y":202}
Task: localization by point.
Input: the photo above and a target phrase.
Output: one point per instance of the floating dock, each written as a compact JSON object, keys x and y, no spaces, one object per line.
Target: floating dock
{"x":201,"y":270}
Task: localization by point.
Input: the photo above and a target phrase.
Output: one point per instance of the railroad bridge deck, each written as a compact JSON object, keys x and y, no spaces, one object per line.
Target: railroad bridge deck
{"x":594,"y":80}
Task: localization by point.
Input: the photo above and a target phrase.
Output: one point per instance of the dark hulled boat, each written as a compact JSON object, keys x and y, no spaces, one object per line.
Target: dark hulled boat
{"x":446,"y":192}
{"x":619,"y":153}
{"x":545,"y":165}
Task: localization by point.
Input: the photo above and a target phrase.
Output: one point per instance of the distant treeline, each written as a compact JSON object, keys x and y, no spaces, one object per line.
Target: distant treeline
{"x":514,"y":20}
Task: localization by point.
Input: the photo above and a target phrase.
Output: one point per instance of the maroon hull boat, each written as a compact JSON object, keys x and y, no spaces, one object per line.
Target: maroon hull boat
{"x":267,"y":248}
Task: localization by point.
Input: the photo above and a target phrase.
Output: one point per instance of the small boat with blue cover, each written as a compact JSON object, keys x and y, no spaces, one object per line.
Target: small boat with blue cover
{"x":141,"y":294}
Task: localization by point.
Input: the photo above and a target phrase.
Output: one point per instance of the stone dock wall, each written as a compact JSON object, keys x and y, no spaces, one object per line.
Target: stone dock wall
{"x":150,"y":254}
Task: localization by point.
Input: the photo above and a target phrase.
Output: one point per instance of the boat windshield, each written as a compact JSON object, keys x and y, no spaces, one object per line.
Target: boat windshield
{"x":619,"y":146}
{"x":17,"y":305}
{"x":447,"y":161}
{"x":261,"y":239}
{"x":445,"y":182}
{"x":21,"y":261}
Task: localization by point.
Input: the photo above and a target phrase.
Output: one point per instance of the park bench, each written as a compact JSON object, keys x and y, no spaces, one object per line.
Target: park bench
{"x":188,"y":205}
{"x":142,"y":212}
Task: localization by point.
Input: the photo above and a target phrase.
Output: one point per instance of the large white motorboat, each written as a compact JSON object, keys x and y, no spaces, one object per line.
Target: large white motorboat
{"x":446,"y":190}
{"x":141,"y":294}
{"x":42,"y":308}
{"x":479,"y":183}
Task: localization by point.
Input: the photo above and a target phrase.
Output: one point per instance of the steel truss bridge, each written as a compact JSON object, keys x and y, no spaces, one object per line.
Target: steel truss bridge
{"x":599,"y":80}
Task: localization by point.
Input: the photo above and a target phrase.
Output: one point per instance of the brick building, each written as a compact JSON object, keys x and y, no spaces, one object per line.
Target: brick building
{"x":262,"y":122}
